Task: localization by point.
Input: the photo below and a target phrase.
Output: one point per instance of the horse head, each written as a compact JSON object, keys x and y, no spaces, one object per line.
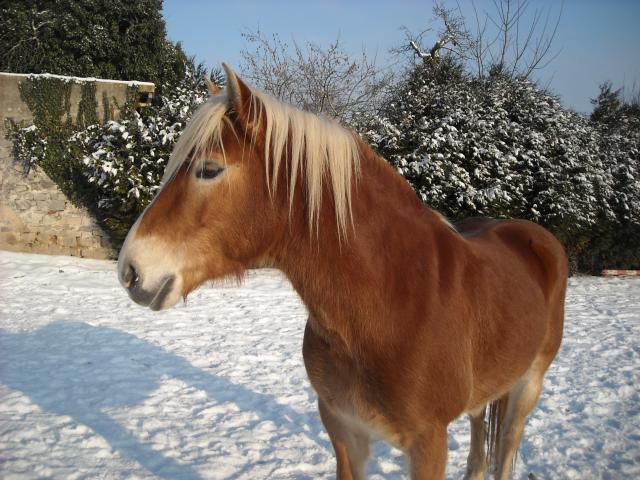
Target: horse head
{"x":219,"y":209}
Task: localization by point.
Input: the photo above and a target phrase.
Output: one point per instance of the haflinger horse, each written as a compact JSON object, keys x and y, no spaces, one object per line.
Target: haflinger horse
{"x":412,"y":321}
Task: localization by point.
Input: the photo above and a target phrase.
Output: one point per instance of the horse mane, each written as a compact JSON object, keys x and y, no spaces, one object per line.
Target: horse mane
{"x":313,"y":148}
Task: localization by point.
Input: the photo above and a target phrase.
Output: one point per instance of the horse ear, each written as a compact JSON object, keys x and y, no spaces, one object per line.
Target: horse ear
{"x":238,"y":92}
{"x":213,"y":88}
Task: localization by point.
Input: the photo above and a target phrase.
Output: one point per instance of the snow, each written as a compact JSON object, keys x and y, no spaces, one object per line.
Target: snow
{"x":130,"y":83}
{"x":94,"y":386}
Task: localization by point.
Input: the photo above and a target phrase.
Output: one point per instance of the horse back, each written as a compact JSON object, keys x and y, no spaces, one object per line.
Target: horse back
{"x":537,"y":253}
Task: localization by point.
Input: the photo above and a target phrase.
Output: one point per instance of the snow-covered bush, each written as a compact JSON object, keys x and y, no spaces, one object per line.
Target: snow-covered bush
{"x":502,"y":147}
{"x":123,"y":159}
{"x":615,"y":239}
{"x":28,"y":145}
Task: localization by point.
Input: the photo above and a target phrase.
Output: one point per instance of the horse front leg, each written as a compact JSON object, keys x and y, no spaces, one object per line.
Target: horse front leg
{"x":351,"y":445}
{"x":332,"y":377}
{"x":428,"y":454}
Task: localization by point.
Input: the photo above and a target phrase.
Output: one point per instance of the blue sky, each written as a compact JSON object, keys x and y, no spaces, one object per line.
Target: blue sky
{"x":597,"y":40}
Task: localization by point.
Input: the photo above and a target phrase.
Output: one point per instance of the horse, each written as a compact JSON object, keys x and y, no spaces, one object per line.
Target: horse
{"x":412,"y":321}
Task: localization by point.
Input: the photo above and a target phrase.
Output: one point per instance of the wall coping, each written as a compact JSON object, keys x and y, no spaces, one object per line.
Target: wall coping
{"x":130,"y":83}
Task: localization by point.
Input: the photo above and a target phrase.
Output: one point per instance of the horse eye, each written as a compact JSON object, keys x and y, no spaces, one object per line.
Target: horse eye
{"x":209,"y":171}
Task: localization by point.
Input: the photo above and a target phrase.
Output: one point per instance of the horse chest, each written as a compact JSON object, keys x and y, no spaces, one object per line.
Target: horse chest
{"x":345,"y":387}
{"x":332,"y":372}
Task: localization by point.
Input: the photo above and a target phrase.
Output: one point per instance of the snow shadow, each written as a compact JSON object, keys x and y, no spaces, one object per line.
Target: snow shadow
{"x":79,"y":370}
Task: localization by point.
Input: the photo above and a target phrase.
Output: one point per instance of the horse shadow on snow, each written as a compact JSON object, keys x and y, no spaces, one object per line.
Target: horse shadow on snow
{"x":79,"y":370}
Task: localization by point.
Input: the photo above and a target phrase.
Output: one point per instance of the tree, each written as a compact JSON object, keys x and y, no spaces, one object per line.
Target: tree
{"x":322,"y":80}
{"x":510,"y":39}
{"x":453,"y":38}
{"x":616,"y":236}
{"x":613,"y":112}
{"x":114,"y":39}
{"x":607,"y":106}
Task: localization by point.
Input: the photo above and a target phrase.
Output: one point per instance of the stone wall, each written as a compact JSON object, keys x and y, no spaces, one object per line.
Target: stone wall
{"x":35,"y":216}
{"x":12,"y":106}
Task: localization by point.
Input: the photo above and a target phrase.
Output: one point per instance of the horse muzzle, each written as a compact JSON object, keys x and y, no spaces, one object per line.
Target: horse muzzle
{"x":154,"y":297}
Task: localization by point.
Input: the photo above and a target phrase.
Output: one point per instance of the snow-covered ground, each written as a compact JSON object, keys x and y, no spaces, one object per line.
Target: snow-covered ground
{"x":94,"y":386}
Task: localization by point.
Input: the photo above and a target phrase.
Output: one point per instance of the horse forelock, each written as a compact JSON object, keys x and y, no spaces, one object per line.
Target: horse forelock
{"x":203,"y":133}
{"x":314,"y":149}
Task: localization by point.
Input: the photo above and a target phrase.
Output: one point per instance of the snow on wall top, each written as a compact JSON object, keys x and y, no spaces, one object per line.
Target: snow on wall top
{"x":130,"y":83}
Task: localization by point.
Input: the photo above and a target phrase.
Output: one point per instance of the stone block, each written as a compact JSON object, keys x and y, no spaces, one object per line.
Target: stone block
{"x":86,"y":242}
{"x":73,"y":221}
{"x":42,"y":182}
{"x":68,"y":239}
{"x":22,"y":205}
{"x":8,"y":238}
{"x":57,"y":195}
{"x":51,"y":218}
{"x":8,"y":182}
{"x":9,"y":218}
{"x":32,"y":216}
{"x":28,"y":237}
{"x":55,"y":205}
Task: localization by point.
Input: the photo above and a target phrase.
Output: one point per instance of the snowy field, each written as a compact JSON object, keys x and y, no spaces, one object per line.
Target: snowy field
{"x":93,"y":386}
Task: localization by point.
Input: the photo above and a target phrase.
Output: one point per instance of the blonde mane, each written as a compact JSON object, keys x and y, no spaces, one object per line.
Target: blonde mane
{"x":313,"y":148}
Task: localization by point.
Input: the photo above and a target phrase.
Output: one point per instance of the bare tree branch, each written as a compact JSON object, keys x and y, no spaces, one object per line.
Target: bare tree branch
{"x":452,"y":38}
{"x":522,"y":41}
{"x":323,"y":80}
{"x":510,"y":39}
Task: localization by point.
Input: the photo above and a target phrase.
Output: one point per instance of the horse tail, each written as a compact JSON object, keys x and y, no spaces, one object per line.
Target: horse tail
{"x":494,"y":419}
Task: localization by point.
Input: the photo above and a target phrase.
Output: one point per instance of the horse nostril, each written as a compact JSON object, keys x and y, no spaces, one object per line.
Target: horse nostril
{"x":130,"y":277}
{"x":135,"y":278}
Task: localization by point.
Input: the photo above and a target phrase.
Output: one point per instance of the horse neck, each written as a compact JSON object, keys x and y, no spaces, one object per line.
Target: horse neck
{"x":350,"y":285}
